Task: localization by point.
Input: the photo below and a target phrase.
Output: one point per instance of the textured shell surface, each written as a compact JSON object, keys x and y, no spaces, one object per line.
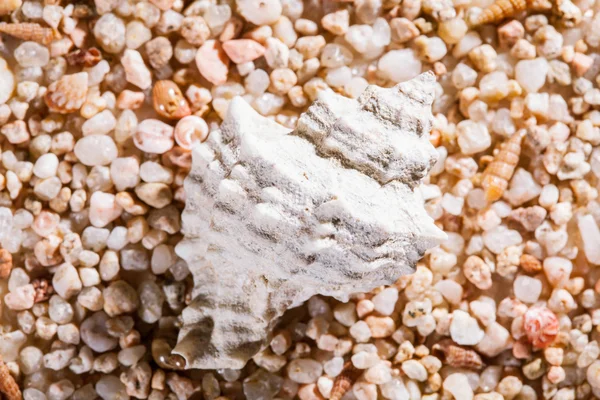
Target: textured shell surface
{"x":67,"y":94}
{"x":501,"y":169}
{"x":541,"y":326}
{"x":458,"y":356}
{"x":502,"y":9}
{"x":8,"y":386}
{"x":28,"y":31}
{"x":275,"y":216}
{"x":344,"y":381}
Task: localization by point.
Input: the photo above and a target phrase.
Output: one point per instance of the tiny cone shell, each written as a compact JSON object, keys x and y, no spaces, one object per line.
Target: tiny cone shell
{"x":67,"y":94}
{"x":500,"y":10}
{"x":503,"y":9}
{"x":168,"y":101}
{"x":28,"y":31}
{"x":498,"y":172}
{"x":457,"y":356}
{"x":8,"y":387}
{"x":8,"y":6}
{"x":344,"y":381}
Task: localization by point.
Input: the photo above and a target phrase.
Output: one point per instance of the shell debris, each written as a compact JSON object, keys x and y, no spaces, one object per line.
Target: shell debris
{"x":344,"y":381}
{"x":67,"y":94}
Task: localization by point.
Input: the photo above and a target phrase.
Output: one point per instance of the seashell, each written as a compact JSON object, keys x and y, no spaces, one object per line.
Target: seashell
{"x":168,"y":101}
{"x":8,"y":6}
{"x":457,"y":356}
{"x":67,"y":94}
{"x":497,"y":174}
{"x":28,"y":31}
{"x":275,"y":216}
{"x":82,"y":57}
{"x":8,"y":387}
{"x":190,"y":130}
{"x":541,"y":326}
{"x":344,"y":381}
{"x":502,"y":9}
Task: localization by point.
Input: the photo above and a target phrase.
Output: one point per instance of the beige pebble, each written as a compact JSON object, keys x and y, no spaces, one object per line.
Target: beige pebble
{"x":157,"y":195}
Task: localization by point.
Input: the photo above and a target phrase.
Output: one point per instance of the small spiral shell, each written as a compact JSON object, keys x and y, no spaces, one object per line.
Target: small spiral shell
{"x":8,"y":387}
{"x":502,"y":9}
{"x":28,"y":31}
{"x":501,"y":169}
{"x":344,"y":381}
{"x":457,"y":356}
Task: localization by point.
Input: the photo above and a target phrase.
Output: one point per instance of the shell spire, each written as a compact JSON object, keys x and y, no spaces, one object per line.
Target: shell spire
{"x":344,"y":381}
{"x":503,"y":9}
{"x":28,"y":31}
{"x":497,"y":174}
{"x":8,"y":387}
{"x":274,"y":217}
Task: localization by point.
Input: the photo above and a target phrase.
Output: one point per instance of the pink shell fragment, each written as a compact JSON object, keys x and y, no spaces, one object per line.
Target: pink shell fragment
{"x":243,"y":50}
{"x":541,"y":326}
{"x":212,"y":62}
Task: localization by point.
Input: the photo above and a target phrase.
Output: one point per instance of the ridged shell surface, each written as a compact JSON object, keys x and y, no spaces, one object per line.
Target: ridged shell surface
{"x":274,"y":216}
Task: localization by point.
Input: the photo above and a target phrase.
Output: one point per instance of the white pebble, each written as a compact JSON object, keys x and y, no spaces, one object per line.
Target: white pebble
{"x":96,"y":150}
{"x":66,"y":281}
{"x":388,"y":65}
{"x":464,"y":329}
{"x":458,"y":385}
{"x":385,"y":301}
{"x":531,"y":74}
{"x":46,"y":166}
{"x":103,"y":209}
{"x":304,"y":370}
{"x":414,"y":370}
{"x":527,"y":289}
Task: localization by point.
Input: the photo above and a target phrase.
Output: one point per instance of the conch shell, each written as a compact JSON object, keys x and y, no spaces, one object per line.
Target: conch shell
{"x":274,"y":217}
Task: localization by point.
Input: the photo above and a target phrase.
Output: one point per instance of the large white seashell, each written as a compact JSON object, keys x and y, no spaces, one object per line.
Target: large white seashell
{"x":274,"y":217}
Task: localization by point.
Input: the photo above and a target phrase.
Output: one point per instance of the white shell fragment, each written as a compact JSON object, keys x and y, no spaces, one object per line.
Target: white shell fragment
{"x":274,"y":217}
